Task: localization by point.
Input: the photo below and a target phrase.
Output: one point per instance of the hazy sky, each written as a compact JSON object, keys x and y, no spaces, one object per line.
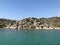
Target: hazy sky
{"x":19,"y":9}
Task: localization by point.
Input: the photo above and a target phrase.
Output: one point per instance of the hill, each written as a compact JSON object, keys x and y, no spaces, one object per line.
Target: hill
{"x":31,"y":23}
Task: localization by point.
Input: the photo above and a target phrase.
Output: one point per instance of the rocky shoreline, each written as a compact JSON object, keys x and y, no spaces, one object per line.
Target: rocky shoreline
{"x":35,"y":29}
{"x":31,"y":23}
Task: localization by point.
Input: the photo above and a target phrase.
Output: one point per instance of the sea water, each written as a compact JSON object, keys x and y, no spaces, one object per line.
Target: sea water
{"x":29,"y":37}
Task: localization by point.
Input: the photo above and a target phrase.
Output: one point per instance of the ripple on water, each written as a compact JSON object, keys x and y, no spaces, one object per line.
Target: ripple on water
{"x":29,"y":37}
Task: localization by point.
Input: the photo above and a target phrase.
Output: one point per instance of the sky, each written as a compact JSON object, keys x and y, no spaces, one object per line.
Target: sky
{"x":19,"y":9}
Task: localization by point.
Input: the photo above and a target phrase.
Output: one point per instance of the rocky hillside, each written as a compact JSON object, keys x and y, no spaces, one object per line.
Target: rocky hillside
{"x":5,"y":22}
{"x":55,"y":21}
{"x":31,"y":22}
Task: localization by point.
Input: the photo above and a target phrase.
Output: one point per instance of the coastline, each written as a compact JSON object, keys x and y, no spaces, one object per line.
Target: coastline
{"x":35,"y":29}
{"x":32,"y":23}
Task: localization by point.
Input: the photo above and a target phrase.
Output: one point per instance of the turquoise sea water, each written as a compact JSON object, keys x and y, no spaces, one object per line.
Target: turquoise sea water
{"x":29,"y":37}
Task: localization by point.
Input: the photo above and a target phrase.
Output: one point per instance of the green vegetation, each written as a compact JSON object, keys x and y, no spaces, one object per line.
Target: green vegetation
{"x":32,"y":27}
{"x":54,"y":21}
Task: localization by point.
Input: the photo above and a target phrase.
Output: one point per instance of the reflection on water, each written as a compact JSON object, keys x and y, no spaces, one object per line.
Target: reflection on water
{"x":29,"y":37}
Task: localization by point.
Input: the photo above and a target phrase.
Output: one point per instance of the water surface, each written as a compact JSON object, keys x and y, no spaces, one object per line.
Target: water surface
{"x":29,"y":37}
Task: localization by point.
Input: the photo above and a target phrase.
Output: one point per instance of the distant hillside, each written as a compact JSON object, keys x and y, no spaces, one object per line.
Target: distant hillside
{"x":5,"y":22}
{"x":52,"y":20}
{"x":29,"y":22}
